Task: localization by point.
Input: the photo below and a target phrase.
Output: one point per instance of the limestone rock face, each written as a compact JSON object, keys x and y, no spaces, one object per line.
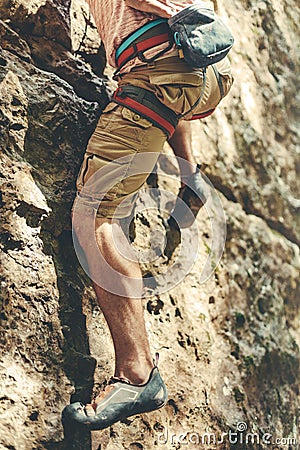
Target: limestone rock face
{"x":229,"y":346}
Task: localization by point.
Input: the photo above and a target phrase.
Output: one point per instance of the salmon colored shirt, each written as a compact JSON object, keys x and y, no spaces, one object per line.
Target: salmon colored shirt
{"x":115,"y":21}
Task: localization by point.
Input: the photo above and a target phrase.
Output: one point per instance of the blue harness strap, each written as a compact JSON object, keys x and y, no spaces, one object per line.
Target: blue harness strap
{"x":138,"y":33}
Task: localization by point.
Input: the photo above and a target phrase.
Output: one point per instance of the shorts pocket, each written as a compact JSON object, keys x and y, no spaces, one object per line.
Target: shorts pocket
{"x":178,"y":91}
{"x":118,"y":121}
{"x":83,"y":171}
{"x":97,"y":185}
{"x":135,"y":118}
{"x":106,"y":116}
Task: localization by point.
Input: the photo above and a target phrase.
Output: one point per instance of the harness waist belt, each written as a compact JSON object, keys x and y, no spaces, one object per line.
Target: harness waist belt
{"x":138,"y":49}
{"x":148,"y":106}
{"x":144,"y":38}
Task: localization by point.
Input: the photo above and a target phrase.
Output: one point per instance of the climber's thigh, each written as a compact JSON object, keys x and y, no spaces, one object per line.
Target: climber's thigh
{"x":120,"y":155}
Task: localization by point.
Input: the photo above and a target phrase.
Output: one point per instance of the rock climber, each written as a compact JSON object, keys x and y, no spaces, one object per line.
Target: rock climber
{"x":151,"y":73}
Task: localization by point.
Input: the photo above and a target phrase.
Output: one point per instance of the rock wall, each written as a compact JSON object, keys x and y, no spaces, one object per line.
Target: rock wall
{"x":229,"y":347}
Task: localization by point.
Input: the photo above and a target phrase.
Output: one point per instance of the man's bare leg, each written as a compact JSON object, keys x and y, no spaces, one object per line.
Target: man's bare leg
{"x":123,"y":313}
{"x":194,"y":191}
{"x":137,"y":387}
{"x":181,"y":143}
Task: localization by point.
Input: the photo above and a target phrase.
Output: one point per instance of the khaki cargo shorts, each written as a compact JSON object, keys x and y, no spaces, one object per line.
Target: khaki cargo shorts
{"x":124,"y":147}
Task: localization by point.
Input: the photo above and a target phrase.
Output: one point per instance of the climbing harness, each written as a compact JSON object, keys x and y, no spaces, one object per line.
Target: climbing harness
{"x":140,"y":100}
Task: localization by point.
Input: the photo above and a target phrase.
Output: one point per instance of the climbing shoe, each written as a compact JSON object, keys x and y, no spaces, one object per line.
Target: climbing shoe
{"x":119,"y":399}
{"x":191,"y":198}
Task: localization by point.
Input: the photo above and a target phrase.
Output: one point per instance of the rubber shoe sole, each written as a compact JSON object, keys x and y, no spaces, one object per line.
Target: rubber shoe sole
{"x":123,"y":400}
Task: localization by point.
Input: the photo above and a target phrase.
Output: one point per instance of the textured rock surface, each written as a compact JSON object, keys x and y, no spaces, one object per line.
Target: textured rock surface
{"x":229,"y":347}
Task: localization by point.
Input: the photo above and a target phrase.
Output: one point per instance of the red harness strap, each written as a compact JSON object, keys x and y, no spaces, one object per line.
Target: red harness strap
{"x":147,"y":105}
{"x":124,"y":98}
{"x":134,"y":49}
{"x":203,"y":115}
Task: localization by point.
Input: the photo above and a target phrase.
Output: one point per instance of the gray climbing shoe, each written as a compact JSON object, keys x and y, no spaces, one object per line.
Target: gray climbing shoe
{"x":191,"y":198}
{"x":120,"y":399}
